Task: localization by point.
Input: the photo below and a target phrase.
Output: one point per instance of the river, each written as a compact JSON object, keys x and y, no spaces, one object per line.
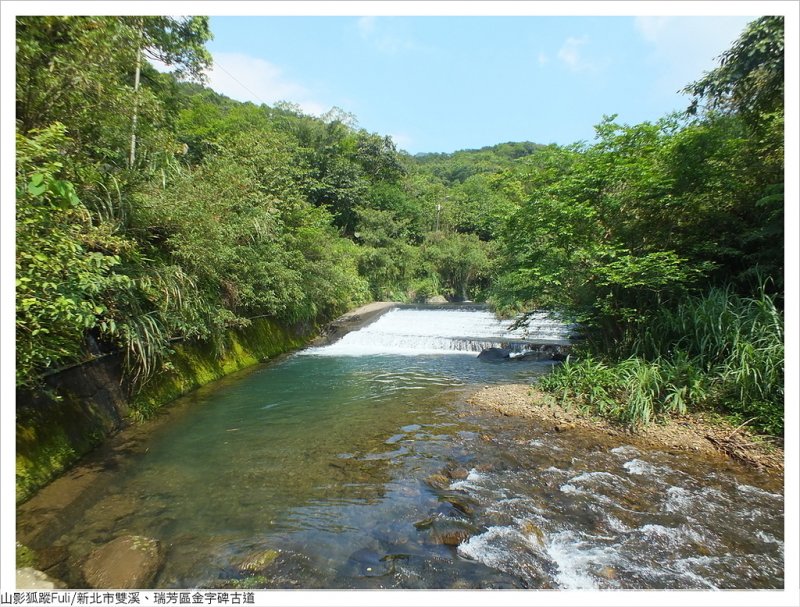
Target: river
{"x":360,"y":465}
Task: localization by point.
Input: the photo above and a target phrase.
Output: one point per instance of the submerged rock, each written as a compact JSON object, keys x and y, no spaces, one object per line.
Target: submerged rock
{"x":52,"y":560}
{"x":461,"y":504}
{"x":446,"y":530}
{"x":456,"y":473}
{"x":129,"y":561}
{"x":438,"y":481}
{"x":256,"y":563}
{"x":451,"y":537}
{"x":29,"y":578}
{"x":271,"y":569}
{"x":368,"y":563}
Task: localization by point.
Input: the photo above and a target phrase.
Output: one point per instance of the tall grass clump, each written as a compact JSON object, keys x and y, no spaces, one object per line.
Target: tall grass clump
{"x":633,"y":391}
{"x":719,"y":350}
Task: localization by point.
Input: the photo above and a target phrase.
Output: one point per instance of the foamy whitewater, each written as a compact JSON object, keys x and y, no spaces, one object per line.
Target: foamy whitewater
{"x":446,"y":331}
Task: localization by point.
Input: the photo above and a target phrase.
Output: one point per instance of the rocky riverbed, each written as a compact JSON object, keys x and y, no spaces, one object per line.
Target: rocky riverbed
{"x":701,"y":432}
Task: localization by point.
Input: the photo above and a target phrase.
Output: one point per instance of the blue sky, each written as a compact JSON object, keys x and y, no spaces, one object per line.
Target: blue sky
{"x":439,"y":84}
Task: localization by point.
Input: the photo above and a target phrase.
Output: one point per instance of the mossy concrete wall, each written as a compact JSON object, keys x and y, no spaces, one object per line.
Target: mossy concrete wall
{"x":196,"y":364}
{"x":89,"y":402}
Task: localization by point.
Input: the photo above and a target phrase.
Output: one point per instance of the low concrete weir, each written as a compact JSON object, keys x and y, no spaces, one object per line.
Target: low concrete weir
{"x":353,"y":321}
{"x":469,"y":330}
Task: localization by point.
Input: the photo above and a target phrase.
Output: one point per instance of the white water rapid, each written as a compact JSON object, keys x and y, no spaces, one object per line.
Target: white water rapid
{"x":443,"y":331}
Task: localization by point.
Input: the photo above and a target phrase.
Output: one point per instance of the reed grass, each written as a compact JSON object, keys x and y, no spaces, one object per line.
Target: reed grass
{"x":719,"y":350}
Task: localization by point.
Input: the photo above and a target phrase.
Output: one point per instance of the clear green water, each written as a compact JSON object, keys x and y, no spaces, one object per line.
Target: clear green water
{"x":305,"y":445}
{"x":369,"y":472}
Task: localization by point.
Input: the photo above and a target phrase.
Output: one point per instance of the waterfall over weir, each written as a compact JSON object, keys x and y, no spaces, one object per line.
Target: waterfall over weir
{"x":449,"y":330}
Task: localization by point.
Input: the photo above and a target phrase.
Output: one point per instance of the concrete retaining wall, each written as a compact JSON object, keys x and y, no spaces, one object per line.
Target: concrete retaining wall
{"x":85,"y":404}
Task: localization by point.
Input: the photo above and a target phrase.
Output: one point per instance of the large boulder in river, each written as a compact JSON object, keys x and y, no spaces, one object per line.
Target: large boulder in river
{"x":491,"y":355}
{"x":129,"y":561}
{"x":436,"y":299}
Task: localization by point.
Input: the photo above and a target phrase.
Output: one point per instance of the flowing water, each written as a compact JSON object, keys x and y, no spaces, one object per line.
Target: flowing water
{"x":358,"y":465}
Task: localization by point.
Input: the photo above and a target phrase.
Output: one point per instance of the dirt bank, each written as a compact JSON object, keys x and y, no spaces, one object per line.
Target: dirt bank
{"x":696,"y":432}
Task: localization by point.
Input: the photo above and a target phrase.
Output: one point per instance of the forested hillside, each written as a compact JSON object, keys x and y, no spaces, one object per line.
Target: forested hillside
{"x":150,"y":208}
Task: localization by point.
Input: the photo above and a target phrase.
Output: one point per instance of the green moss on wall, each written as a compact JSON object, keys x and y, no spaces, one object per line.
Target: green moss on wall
{"x":25,"y":557}
{"x":196,"y":364}
{"x":52,"y":438}
{"x":42,"y":461}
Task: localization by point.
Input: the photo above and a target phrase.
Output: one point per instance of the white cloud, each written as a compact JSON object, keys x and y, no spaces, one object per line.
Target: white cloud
{"x":682,"y":48}
{"x":571,"y":55}
{"x":570,"y":52}
{"x":385,"y":37}
{"x":248,"y":78}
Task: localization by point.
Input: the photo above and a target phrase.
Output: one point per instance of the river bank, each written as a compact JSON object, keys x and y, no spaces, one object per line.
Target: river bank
{"x":699,"y":432}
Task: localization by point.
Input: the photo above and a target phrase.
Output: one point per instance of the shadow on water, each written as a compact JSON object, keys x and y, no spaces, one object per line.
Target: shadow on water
{"x":370,"y":472}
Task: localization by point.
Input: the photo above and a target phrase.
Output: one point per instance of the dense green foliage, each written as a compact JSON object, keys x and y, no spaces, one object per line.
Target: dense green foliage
{"x":717,"y":350}
{"x":227,"y":211}
{"x":671,"y":249}
{"x":634,"y":220}
{"x":60,"y":280}
{"x":657,"y":236}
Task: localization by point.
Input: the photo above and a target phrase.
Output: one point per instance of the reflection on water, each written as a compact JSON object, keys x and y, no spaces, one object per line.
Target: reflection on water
{"x":366,"y":472}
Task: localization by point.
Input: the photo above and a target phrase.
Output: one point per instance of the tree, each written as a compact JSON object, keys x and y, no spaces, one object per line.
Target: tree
{"x":72,"y":70}
{"x":749,"y":79}
{"x":175,"y":42}
{"x":603,"y":233}
{"x":66,"y":267}
{"x":479,"y":206}
{"x":749,"y":85}
{"x":461,"y":262}
{"x":178,"y":42}
{"x":385,"y":256}
{"x":81,"y":71}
